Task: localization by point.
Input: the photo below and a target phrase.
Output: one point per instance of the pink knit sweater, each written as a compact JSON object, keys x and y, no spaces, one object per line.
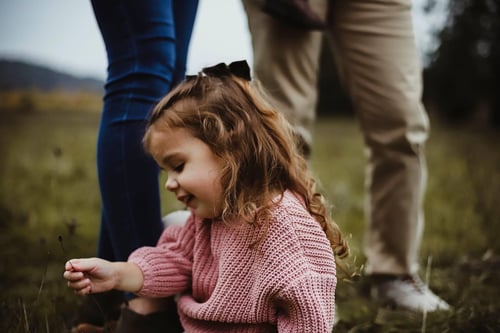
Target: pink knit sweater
{"x":286,"y":283}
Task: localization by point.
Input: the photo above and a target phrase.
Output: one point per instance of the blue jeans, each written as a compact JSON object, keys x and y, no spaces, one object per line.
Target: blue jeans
{"x":146,"y":43}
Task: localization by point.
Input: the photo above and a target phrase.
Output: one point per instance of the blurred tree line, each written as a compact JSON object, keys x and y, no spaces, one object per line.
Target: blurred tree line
{"x":462,"y":77}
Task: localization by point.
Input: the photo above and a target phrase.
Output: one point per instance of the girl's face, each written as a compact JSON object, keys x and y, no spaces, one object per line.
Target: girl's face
{"x":193,"y":170}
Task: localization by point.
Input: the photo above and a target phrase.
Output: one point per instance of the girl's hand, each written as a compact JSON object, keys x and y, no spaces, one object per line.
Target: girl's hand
{"x":92,"y":275}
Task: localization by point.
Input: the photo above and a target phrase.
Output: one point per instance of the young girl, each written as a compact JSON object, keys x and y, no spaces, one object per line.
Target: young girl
{"x":257,"y":253}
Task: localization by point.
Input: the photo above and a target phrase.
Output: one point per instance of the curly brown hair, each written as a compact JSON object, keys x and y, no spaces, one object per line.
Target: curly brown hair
{"x":257,"y":143}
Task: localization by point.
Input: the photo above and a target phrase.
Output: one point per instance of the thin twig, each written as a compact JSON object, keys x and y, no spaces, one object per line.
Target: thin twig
{"x":43,"y":278}
{"x":427,"y":278}
{"x":47,"y":324}
{"x":26,"y":322}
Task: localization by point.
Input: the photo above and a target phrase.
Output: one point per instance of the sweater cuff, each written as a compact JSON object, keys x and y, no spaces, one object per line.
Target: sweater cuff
{"x":165,"y":268}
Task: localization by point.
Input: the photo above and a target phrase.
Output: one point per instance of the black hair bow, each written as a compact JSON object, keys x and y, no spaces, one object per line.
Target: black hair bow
{"x":237,"y":68}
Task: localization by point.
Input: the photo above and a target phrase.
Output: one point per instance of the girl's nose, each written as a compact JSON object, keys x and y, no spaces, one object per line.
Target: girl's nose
{"x":171,"y":184}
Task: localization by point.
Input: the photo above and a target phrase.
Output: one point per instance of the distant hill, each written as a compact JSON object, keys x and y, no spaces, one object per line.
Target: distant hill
{"x":19,"y":75}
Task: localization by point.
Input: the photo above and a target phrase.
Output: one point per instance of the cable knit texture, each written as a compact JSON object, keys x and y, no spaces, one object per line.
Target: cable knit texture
{"x":286,"y":283}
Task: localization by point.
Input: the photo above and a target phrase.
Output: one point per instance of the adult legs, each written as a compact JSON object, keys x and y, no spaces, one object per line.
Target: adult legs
{"x":139,"y":39}
{"x":147,"y":49}
{"x":285,"y":60}
{"x":378,"y":62}
{"x":379,"y":65}
{"x":146,"y":43}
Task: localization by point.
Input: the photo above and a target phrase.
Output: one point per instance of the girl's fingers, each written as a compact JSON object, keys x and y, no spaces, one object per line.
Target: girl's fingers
{"x":82,"y":264}
{"x":73,"y":276}
{"x":76,"y":277}
{"x":83,"y":291}
{"x":79,"y":284}
{"x":68,"y":266}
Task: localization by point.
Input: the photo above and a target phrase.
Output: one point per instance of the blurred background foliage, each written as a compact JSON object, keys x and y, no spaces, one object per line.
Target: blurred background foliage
{"x":463,"y":77}
{"x":34,"y":100}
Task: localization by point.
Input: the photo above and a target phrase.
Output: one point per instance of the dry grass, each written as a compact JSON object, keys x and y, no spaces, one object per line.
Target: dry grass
{"x":49,"y":211}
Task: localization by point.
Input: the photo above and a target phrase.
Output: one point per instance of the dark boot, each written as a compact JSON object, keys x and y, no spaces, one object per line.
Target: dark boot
{"x":158,"y":322}
{"x":97,"y":309}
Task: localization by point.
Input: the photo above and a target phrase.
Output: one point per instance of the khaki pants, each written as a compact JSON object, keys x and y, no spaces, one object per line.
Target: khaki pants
{"x":377,"y":60}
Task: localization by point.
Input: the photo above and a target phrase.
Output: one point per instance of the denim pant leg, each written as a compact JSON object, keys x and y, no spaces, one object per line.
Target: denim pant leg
{"x":147,"y":51}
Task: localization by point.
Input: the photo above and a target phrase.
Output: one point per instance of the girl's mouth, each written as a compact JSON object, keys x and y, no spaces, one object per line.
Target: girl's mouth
{"x":186,"y":199}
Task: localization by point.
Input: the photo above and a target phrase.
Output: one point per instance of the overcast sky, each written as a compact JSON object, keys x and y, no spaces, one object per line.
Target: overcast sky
{"x":63,"y":34}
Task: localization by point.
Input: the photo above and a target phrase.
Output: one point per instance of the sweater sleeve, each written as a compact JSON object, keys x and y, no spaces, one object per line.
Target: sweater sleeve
{"x":306,"y":306}
{"x":306,"y":300}
{"x":167,"y":267}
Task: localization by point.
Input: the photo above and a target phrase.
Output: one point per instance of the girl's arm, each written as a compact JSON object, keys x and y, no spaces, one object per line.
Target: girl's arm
{"x":94,"y":275}
{"x":307,"y":305}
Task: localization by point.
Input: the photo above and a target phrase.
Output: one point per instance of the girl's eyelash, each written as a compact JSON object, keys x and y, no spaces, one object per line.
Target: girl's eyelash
{"x":179,"y":167}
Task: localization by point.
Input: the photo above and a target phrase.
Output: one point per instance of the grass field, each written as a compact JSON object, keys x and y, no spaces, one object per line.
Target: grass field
{"x":49,"y":212}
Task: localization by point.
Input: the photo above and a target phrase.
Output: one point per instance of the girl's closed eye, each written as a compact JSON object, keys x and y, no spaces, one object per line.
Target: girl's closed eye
{"x":179,"y":167}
